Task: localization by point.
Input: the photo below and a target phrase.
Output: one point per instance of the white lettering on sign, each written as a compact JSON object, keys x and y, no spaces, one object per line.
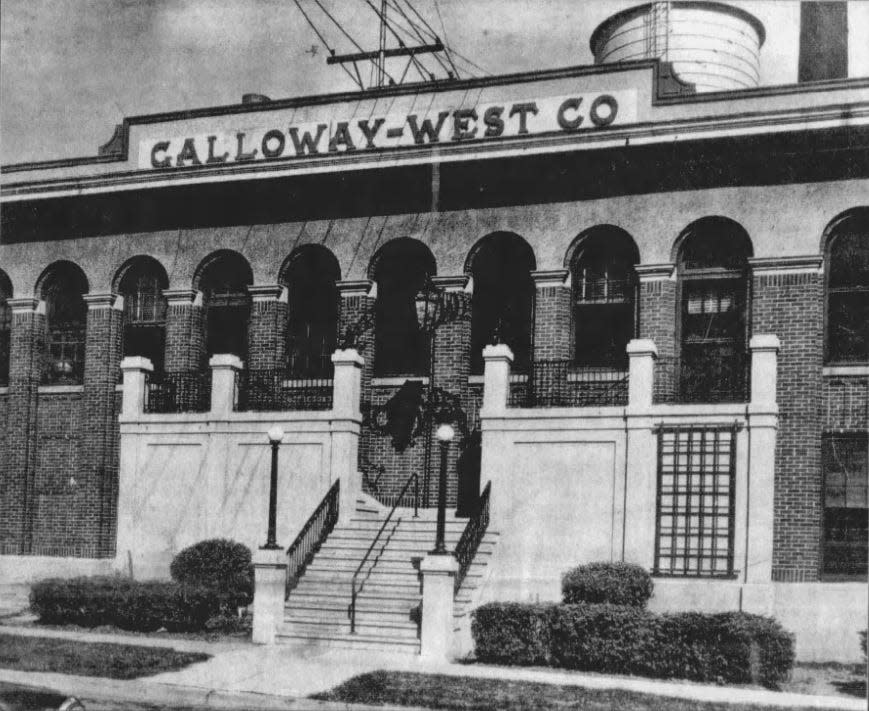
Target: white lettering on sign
{"x":560,"y":114}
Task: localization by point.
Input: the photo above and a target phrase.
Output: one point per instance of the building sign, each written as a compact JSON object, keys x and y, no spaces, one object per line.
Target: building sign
{"x":561,"y":114}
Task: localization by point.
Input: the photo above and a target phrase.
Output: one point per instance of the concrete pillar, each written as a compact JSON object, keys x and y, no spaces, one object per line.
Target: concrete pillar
{"x":269,"y":593}
{"x":438,"y":581}
{"x":641,"y":372}
{"x":760,"y":477}
{"x":135,"y":370}
{"x":346,"y":395}
{"x":496,"y":379}
{"x":224,"y":370}
{"x":764,"y":368}
{"x":347,"y":383}
{"x":552,"y":315}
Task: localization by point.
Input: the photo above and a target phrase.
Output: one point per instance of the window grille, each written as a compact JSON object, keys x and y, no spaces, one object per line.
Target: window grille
{"x":846,"y":510}
{"x":695,"y":502}
{"x":5,"y":331}
{"x":144,"y":314}
{"x":848,"y":297}
{"x":66,"y":315}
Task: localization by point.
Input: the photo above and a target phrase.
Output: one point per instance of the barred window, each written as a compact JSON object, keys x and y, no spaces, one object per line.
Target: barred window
{"x":695,"y":507}
{"x":713,"y":261}
{"x":848,"y":291}
{"x":223,"y":280}
{"x":400,"y":270}
{"x":66,"y":316}
{"x":142,"y":288}
{"x":5,"y":327}
{"x":604,"y":289}
{"x":503,"y":302}
{"x":312,"y":324}
{"x":846,"y":511}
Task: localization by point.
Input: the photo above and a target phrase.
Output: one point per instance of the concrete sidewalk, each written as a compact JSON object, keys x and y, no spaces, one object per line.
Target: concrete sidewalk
{"x":242,"y":675}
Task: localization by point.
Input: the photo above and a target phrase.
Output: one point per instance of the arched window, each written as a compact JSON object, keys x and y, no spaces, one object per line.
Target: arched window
{"x":141,"y":284}
{"x":312,"y":323}
{"x":62,"y":289}
{"x":848,"y":290}
{"x":604,"y":289}
{"x":5,"y":326}
{"x":713,"y":276}
{"x":503,"y":300}
{"x":400,"y":270}
{"x":223,"y":279}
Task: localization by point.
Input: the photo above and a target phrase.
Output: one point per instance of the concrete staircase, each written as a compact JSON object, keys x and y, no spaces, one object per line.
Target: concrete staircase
{"x":387,"y":608}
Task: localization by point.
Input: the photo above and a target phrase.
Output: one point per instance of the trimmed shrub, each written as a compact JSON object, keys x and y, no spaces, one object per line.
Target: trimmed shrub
{"x":217,"y":563}
{"x":862,"y":636}
{"x":606,"y":638}
{"x":731,"y":647}
{"x":613,"y":583}
{"x":125,"y":603}
{"x":513,"y":633}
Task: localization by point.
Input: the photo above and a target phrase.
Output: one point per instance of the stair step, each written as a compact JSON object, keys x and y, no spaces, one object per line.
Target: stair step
{"x":363,"y":602}
{"x":394,"y":629}
{"x":357,"y":642}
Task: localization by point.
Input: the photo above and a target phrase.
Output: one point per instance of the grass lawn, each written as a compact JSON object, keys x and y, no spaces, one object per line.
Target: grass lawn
{"x":114,"y":661}
{"x":448,"y":692}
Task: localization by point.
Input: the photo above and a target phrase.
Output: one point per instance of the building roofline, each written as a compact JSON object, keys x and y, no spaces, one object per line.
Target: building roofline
{"x":667,"y":90}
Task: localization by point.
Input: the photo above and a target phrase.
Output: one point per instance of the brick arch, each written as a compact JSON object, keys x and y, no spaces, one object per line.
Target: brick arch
{"x":412,"y":248}
{"x":5,"y":285}
{"x":518,"y":243}
{"x":215,"y":258}
{"x":56,"y":269}
{"x":709,"y":228}
{"x":316,"y":253}
{"x":858,"y":214}
{"x":142,"y":262}
{"x":624,"y":242}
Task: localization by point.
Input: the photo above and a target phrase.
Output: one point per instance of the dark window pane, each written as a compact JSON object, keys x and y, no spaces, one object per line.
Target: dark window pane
{"x":145,"y":340}
{"x":846,"y":508}
{"x":66,"y":314}
{"x":602,"y":334}
{"x":848,"y":325}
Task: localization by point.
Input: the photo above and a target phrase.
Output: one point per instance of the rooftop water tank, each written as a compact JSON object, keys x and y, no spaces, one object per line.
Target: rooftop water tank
{"x":712,"y":45}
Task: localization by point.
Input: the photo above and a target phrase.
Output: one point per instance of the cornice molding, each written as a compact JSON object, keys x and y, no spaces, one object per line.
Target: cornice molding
{"x":799,"y":264}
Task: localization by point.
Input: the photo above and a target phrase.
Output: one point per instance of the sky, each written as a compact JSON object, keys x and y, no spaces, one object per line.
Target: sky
{"x":72,"y":69}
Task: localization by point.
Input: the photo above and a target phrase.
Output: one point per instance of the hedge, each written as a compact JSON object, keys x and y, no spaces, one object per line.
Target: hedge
{"x":128,"y":604}
{"x":217,"y":563}
{"x":615,"y":583}
{"x":730,"y":647}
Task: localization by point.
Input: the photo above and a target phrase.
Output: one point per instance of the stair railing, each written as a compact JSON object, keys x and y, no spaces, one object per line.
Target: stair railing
{"x":355,"y":588}
{"x":312,"y":535}
{"x":473,"y":534}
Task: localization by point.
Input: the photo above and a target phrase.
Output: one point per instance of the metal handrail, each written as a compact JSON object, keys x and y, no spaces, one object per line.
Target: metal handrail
{"x":354,"y":592}
{"x":472,"y":536}
{"x":309,"y":540}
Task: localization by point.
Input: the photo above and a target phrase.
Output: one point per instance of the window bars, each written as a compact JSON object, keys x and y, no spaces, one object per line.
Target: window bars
{"x":560,"y":383}
{"x":277,"y":390}
{"x":846,"y":500}
{"x":695,"y":501}
{"x":186,"y":391}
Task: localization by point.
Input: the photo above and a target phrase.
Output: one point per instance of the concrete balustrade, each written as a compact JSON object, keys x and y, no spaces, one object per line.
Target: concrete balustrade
{"x":764,"y":368}
{"x":269,"y":592}
{"x":135,"y":370}
{"x":436,"y":628}
{"x":641,"y":372}
{"x":224,"y":388}
{"x":496,"y":378}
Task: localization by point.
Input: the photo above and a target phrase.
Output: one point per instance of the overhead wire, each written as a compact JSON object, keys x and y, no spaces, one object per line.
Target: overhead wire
{"x":325,"y":43}
{"x":444,"y":33}
{"x":417,"y":62}
{"x":416,"y":30}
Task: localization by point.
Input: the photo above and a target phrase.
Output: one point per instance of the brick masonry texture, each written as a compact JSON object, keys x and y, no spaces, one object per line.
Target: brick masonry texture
{"x":791,"y":306}
{"x":58,"y":475}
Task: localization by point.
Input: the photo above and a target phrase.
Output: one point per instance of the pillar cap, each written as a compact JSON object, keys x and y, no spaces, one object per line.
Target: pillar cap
{"x":268,"y":292}
{"x":665,"y":271}
{"x":452,"y":283}
{"x":357,"y":287}
{"x":642,"y":346}
{"x":181,"y":296}
{"x":225,"y":360}
{"x":137,"y":363}
{"x":444,"y":564}
{"x":100,"y":301}
{"x":764,"y":342}
{"x":23,"y":304}
{"x":545,"y":278}
{"x":348,"y":355}
{"x":270,"y":557}
{"x":500,"y":351}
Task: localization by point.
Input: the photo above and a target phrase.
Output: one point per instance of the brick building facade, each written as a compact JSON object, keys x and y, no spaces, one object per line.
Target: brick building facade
{"x":677,"y":166}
